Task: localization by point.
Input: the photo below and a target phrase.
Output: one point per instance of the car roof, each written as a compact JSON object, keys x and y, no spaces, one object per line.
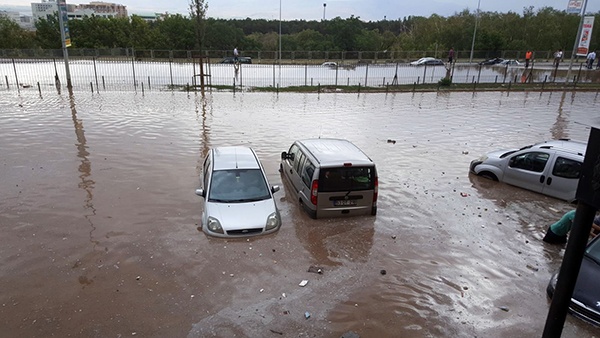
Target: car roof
{"x":237,"y":157}
{"x":569,"y":146}
{"x":335,"y":152}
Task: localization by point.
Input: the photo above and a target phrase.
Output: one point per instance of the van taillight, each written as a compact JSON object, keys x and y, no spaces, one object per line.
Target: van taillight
{"x":313,"y":191}
{"x":376,"y":191}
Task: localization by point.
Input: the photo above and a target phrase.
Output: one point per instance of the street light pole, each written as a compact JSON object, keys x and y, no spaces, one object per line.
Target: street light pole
{"x":324,"y":5}
{"x":475,"y":31}
{"x":280,"y":31}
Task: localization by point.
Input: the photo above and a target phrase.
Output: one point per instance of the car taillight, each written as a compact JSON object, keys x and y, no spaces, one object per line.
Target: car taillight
{"x":313,"y":192}
{"x":376,"y":191}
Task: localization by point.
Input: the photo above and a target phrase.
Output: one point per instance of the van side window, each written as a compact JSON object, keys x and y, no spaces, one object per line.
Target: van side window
{"x":566,"y":168}
{"x":299,"y":162}
{"x":307,"y":173}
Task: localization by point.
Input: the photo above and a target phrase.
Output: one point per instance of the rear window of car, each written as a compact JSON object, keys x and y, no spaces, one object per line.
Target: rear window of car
{"x":566,"y":168}
{"x":346,"y":179}
{"x":238,"y":186}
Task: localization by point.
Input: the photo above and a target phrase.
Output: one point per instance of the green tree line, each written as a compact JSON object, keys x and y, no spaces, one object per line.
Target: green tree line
{"x":542,"y":29}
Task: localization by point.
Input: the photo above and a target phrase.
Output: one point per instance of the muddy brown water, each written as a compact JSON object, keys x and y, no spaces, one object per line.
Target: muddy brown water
{"x":100,"y":221}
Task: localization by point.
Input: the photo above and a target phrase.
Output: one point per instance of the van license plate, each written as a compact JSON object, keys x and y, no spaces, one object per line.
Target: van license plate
{"x":344,"y":203}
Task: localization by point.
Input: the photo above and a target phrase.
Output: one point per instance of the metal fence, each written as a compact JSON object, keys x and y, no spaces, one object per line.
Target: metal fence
{"x":158,"y":73}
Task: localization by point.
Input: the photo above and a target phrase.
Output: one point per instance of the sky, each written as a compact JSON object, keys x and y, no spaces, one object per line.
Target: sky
{"x":367,"y":10}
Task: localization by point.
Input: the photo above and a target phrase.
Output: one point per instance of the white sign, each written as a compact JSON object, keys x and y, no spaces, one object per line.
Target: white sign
{"x":586,"y":35}
{"x":574,"y":6}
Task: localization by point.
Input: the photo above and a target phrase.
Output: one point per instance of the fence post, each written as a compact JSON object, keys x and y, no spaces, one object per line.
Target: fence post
{"x":336,"y":75}
{"x":366,"y":74}
{"x":171,"y":67}
{"x":7,"y":85}
{"x":15,"y":69}
{"x":103,"y":84}
{"x":305,"y":74}
{"x":92,"y":87}
{"x":149,"y":88}
{"x":194,"y":72}
{"x":95,"y":73}
{"x":274,"y":76}
{"x":39,"y":89}
{"x":479,"y":74}
{"x":544,"y":83}
{"x":234,"y":85}
{"x":133,"y":68}
{"x":142,"y":88}
{"x":424,"y":73}
{"x":505,"y":72}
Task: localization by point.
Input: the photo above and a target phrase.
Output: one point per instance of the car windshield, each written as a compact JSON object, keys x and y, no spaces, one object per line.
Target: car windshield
{"x":238,"y":186}
{"x":346,"y":179}
{"x":593,"y":251}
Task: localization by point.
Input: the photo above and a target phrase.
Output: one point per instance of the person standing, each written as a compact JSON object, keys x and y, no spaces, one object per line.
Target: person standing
{"x":591,"y":57}
{"x":557,"y":57}
{"x":235,"y":54}
{"x":451,"y":55}
{"x":528,"y":55}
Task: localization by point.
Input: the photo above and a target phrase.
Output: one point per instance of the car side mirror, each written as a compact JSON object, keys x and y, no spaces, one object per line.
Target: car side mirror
{"x":200,"y":192}
{"x":286,"y":156}
{"x":274,"y":188}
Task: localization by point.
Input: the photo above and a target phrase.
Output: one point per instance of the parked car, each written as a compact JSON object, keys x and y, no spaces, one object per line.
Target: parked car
{"x":237,"y":198}
{"x":585,"y":301}
{"x":509,"y":62}
{"x":331,"y":177}
{"x":241,"y":59}
{"x":491,"y":61}
{"x":551,"y":168}
{"x":429,"y":61}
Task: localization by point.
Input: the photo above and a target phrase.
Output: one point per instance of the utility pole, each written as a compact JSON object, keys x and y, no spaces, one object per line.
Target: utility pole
{"x":65,"y":37}
{"x":474,"y":32}
{"x":324,"y":5}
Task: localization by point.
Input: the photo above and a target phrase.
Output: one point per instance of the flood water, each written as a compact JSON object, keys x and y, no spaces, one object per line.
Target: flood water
{"x":100,"y":221}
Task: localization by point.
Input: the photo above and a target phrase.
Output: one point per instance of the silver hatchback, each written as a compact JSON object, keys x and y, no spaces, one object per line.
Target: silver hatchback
{"x":552,"y":168}
{"x":238,"y":199}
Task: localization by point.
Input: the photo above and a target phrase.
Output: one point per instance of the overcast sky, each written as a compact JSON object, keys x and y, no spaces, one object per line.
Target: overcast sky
{"x":367,"y":10}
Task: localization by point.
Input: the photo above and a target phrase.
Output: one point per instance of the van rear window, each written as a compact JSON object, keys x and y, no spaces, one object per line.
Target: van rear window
{"x":346,"y":179}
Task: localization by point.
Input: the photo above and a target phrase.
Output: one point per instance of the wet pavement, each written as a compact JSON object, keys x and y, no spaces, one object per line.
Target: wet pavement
{"x":100,"y":221}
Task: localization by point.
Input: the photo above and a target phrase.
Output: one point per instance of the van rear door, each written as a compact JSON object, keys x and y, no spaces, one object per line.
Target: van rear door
{"x":346,"y":190}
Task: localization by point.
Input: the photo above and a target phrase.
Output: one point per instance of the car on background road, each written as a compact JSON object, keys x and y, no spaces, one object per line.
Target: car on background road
{"x":585,"y":301}
{"x":241,"y":59}
{"x":509,"y":63}
{"x":238,"y":200}
{"x":552,"y":168}
{"x":491,"y":61}
{"x":427,"y":61}
{"x":329,"y":64}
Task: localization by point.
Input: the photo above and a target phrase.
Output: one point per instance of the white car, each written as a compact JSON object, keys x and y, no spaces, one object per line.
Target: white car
{"x":508,"y":62}
{"x":552,"y":168}
{"x":238,"y":199}
{"x":329,"y":64}
{"x":429,"y":61}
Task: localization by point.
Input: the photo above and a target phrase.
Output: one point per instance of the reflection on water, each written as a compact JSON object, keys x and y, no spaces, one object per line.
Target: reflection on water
{"x":454,"y":248}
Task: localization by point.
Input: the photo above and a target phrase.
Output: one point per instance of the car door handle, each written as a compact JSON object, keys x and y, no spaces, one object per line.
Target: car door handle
{"x":542,"y":179}
{"x":549,"y":181}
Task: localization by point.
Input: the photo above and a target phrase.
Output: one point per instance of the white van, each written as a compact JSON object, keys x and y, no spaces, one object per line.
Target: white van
{"x":331,"y":177}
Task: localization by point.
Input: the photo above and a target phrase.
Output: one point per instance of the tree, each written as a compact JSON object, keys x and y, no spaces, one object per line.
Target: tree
{"x":12,"y":35}
{"x":198,"y":10}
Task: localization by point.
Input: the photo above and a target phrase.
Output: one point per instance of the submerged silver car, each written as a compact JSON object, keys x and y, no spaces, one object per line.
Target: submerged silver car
{"x":552,"y":168}
{"x":238,"y":199}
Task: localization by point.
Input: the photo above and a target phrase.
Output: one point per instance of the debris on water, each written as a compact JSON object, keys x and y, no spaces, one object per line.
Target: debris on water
{"x":552,"y":209}
{"x":276,"y":332}
{"x":283,"y":295}
{"x":393,"y":236}
{"x":465,"y":152}
{"x":138,"y":278}
{"x":464,"y":194}
{"x":306,"y":314}
{"x":350,"y":334}
{"x":303,"y":282}
{"x":261,"y":290}
{"x":533,"y":268}
{"x":383,"y":272}
{"x":504,"y":308}
{"x":315,"y":269}
{"x":391,"y":141}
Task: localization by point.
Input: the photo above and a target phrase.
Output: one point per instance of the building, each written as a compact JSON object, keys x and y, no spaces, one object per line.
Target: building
{"x":77,"y":12}
{"x":24,"y":21}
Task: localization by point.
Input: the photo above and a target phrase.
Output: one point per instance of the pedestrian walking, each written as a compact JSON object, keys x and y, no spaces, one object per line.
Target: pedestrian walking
{"x":591,"y":57}
{"x":235,"y":54}
{"x":557,"y":57}
{"x":528,"y":55}
{"x":451,"y":55}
